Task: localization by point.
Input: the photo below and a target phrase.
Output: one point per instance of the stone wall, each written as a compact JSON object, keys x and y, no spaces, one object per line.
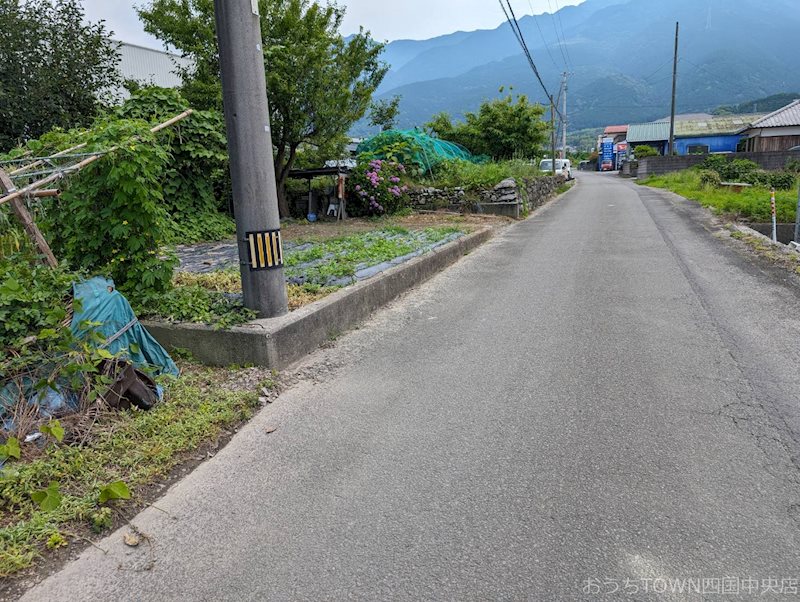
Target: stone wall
{"x":654,"y":166}
{"x":506,"y":198}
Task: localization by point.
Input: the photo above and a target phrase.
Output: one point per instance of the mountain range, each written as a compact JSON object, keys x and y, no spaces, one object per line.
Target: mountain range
{"x":619,"y":57}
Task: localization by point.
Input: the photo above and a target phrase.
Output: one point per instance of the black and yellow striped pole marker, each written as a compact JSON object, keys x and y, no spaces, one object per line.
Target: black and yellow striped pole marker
{"x":265,"y":250}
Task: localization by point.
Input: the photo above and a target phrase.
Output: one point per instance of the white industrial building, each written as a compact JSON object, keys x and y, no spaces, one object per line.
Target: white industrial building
{"x":150,"y":66}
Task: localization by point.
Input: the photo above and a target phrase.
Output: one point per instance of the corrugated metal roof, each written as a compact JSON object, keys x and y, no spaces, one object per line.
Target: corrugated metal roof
{"x":615,"y":129}
{"x":788,"y":116}
{"x":648,"y":132}
{"x":723,"y":125}
{"x":150,"y":66}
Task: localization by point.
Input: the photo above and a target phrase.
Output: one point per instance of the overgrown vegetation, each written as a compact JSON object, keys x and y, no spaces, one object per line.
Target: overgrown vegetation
{"x":80,"y":480}
{"x":748,"y":172}
{"x":475,"y":176}
{"x":751,"y":204}
{"x":195,"y":183}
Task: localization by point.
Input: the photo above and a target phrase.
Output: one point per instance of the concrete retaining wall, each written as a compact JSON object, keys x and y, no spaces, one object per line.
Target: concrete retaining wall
{"x":278,"y":342}
{"x":785,"y":231}
{"x":654,"y":166}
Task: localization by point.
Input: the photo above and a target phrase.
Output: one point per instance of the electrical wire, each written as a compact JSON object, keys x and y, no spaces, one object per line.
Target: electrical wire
{"x":558,"y":37}
{"x":563,"y":35}
{"x":508,"y":11}
{"x":541,"y":34}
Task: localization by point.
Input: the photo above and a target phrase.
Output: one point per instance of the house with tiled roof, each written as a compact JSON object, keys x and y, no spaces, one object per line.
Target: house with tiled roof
{"x":778,"y":131}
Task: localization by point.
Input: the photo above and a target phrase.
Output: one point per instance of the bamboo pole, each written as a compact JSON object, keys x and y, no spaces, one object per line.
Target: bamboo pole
{"x":49,"y":192}
{"x":13,"y":193}
{"x":66,"y":151}
{"x":24,"y":216}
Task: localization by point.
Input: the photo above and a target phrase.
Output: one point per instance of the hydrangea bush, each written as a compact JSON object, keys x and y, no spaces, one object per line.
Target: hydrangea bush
{"x":377,"y":188}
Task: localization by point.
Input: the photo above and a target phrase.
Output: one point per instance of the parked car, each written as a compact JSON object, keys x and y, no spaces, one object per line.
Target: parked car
{"x":562,"y":165}
{"x":607,"y":165}
{"x":795,"y":148}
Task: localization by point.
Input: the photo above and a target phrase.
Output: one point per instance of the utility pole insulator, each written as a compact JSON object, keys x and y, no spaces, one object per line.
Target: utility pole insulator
{"x":255,"y":198}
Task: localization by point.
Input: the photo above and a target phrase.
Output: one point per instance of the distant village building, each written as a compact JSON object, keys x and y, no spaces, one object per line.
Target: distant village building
{"x":655,"y":134}
{"x":715,"y":135}
{"x":778,"y":131}
{"x":149,"y":66}
{"x":694,"y":134}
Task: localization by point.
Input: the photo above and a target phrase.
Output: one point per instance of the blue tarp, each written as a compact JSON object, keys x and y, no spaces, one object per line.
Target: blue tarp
{"x":106,"y":311}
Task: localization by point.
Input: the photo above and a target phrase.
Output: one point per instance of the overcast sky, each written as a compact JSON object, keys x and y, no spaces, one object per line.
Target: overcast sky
{"x":415,"y":19}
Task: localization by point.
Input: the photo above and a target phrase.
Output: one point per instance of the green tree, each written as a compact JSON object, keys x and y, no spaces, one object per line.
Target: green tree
{"x":54,"y":68}
{"x":383,"y":113}
{"x":319,"y":84}
{"x":502,"y":128}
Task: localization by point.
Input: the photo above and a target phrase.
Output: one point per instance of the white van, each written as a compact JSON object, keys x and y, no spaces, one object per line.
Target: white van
{"x":562,"y":165}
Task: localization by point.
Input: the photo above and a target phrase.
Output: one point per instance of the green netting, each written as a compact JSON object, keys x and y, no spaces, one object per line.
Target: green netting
{"x":415,"y":146}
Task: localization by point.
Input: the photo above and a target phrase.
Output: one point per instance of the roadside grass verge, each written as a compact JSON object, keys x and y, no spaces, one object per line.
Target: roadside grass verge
{"x":137,"y":447}
{"x":752,"y":204}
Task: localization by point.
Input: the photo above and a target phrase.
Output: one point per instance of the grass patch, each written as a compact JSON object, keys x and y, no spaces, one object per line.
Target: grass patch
{"x":136,"y":447}
{"x":229,"y":281}
{"x":751,"y":204}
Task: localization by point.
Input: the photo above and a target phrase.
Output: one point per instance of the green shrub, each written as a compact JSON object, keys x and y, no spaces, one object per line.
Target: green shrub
{"x":640,"y":152}
{"x":738,"y":170}
{"x":793,"y":165}
{"x":758,"y":177}
{"x":709,"y":178}
{"x":782,"y":180}
{"x":717,"y":163}
{"x":752,"y":204}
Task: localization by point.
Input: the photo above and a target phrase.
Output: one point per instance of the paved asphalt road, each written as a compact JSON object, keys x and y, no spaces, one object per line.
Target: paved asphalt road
{"x":605,"y":392}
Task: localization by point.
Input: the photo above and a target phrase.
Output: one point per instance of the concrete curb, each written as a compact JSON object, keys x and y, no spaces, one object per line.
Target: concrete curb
{"x":278,"y":342}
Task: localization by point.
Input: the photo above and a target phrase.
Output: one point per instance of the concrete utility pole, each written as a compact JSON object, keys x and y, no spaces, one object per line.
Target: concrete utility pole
{"x":255,"y":198}
{"x":674,"y":88}
{"x":564,"y":120}
{"x":797,"y":219}
{"x":553,"y":133}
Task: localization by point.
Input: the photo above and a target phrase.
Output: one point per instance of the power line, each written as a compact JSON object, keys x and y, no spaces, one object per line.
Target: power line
{"x":558,"y":37}
{"x":541,"y":34}
{"x":508,"y":11}
{"x":563,"y":35}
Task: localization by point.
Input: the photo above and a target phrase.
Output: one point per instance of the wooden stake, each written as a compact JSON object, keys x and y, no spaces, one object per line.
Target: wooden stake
{"x":24,"y":216}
